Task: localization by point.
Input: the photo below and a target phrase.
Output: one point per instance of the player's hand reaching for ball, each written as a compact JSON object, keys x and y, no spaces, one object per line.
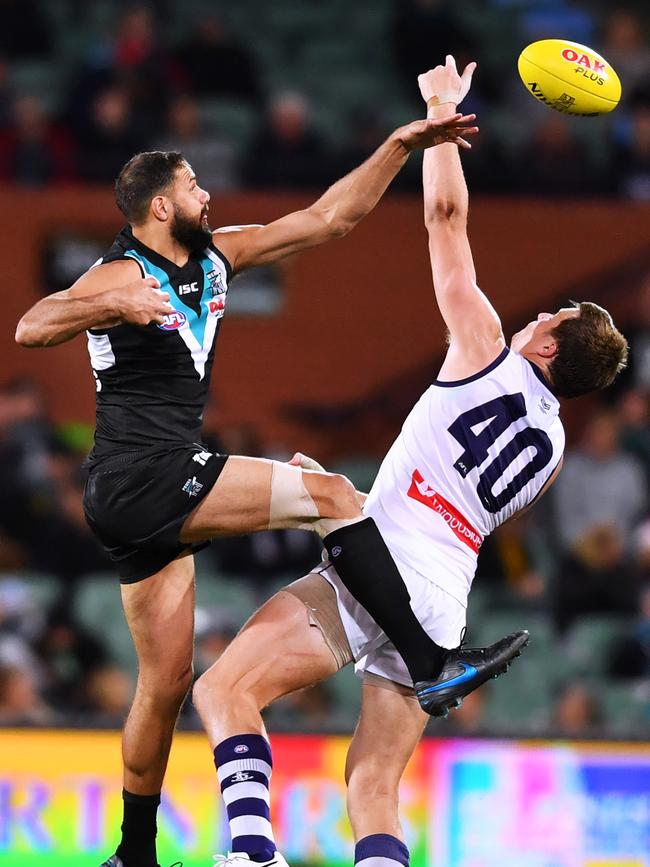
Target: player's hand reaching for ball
{"x":443,"y":85}
{"x":141,"y":302}
{"x":436,"y":130}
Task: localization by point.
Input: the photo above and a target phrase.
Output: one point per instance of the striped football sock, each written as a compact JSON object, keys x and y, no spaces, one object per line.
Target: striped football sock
{"x":244,"y":766}
{"x":381,"y":850}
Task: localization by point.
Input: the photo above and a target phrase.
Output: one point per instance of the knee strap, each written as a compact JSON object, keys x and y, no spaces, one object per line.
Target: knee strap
{"x":291,"y":502}
{"x":292,"y":506}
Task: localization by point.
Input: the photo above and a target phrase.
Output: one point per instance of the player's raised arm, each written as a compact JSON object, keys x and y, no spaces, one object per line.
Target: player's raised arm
{"x":345,"y":203}
{"x":475,"y":331}
{"x":102,"y":297}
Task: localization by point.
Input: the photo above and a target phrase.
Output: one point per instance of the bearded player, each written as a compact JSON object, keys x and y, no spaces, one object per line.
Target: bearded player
{"x":152,"y":308}
{"x":482,"y":443}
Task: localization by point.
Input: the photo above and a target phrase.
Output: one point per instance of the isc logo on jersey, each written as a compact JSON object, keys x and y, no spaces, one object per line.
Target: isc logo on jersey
{"x":173,"y":321}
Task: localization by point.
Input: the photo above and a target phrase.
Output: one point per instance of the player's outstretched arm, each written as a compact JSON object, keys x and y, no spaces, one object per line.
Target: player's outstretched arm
{"x":475,"y":331}
{"x":94,"y":302}
{"x":345,"y":203}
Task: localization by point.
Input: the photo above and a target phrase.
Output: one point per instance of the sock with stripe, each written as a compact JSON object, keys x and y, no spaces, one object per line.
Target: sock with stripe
{"x":381,"y":850}
{"x":244,"y":764}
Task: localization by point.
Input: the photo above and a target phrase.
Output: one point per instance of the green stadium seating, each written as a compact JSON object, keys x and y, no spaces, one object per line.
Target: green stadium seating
{"x":590,"y":641}
{"x":346,"y":687}
{"x":98,"y":607}
{"x":229,"y":595}
{"x":228,"y":119}
{"x":43,"y":588}
{"x":361,"y":471}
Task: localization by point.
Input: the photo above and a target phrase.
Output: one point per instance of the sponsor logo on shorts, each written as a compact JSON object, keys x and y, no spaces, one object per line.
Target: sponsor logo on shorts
{"x":241,"y":748}
{"x":192,"y":487}
{"x":173,"y":321}
{"x":336,"y":550}
{"x":422,"y":491}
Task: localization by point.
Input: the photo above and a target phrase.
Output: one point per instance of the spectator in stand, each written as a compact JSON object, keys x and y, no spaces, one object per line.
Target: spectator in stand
{"x":216,"y":64}
{"x":423,"y":33}
{"x":212,"y":158}
{"x":470,"y":717}
{"x":110,"y":138}
{"x":68,"y":655}
{"x":20,"y":703}
{"x":108,"y":692}
{"x":634,"y":410}
{"x":25,"y":33}
{"x":144,"y":69}
{"x":637,"y":331}
{"x":309,"y":710}
{"x":599,"y":485}
{"x":287,"y":152}
{"x":33,"y":151}
{"x":40,"y":491}
{"x":595,"y":578}
{"x":214,"y":629}
{"x":554,"y":163}
{"x":625,"y":45}
{"x":630,"y":657}
{"x":633,"y":157}
{"x":6,"y":96}
{"x":577,"y":712}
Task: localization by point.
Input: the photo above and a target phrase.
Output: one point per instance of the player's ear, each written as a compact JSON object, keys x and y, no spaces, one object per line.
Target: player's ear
{"x":548,"y":349}
{"x":160,"y":208}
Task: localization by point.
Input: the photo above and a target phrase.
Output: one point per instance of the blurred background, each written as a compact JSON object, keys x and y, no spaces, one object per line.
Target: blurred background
{"x":326,"y":353}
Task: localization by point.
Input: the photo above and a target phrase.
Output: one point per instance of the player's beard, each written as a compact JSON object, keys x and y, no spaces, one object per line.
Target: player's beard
{"x":189,"y":233}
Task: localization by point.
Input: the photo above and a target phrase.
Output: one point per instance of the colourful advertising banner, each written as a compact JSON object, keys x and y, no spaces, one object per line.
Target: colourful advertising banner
{"x":465,"y":803}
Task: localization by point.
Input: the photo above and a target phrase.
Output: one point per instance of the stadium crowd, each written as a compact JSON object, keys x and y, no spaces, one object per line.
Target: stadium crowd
{"x":292,"y":94}
{"x":576,"y":571}
{"x":84,"y":86}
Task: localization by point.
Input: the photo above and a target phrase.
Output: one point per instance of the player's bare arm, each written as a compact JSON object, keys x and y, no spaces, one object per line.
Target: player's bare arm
{"x":102,"y":297}
{"x":345,"y":203}
{"x":476,"y":337}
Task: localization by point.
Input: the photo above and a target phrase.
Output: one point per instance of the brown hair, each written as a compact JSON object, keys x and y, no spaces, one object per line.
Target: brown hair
{"x":144,"y":176}
{"x":590,"y":352}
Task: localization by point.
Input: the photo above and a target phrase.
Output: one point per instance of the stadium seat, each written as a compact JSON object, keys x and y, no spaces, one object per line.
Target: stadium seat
{"x":98,"y":607}
{"x":232,"y":595}
{"x":346,"y":686}
{"x":39,"y":79}
{"x":229,"y":120}
{"x":626,"y":707}
{"x":590,"y":641}
{"x":43,"y":588}
{"x":361,"y":471}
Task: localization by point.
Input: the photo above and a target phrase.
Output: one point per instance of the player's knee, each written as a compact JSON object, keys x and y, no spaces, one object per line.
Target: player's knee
{"x":219,"y":686}
{"x":372,"y":781}
{"x":167,"y":685}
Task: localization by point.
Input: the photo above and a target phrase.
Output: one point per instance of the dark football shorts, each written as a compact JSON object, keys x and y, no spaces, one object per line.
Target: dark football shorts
{"x":136,"y":504}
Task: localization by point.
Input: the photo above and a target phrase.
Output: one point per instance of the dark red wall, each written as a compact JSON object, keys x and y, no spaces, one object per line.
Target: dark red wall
{"x":358,"y":311}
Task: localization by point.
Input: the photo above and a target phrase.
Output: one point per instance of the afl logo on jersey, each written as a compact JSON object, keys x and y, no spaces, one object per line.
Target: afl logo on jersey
{"x":173,"y":321}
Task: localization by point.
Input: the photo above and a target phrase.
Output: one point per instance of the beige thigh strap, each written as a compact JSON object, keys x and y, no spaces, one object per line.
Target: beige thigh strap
{"x":319,"y":597}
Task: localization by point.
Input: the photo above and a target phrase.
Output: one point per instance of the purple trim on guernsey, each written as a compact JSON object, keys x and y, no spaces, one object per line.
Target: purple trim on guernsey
{"x":539,"y":374}
{"x":453,"y":383}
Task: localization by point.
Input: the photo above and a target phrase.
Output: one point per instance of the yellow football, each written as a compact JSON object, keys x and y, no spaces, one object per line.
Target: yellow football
{"x":569,"y":77}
